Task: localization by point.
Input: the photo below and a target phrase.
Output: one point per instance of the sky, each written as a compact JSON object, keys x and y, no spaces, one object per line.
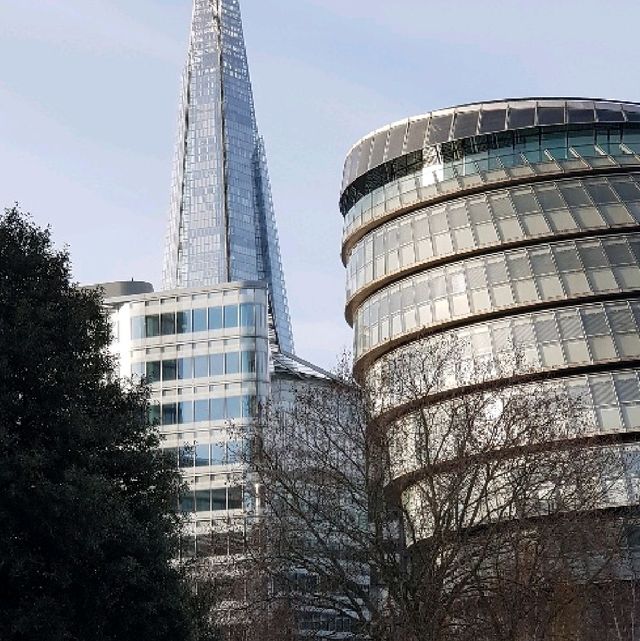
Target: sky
{"x":89,"y":98}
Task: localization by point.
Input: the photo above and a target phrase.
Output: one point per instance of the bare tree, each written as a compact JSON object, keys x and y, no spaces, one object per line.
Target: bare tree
{"x":396,"y":509}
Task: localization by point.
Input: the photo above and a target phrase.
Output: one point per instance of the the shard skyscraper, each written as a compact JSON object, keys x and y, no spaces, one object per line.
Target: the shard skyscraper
{"x":222,"y":224}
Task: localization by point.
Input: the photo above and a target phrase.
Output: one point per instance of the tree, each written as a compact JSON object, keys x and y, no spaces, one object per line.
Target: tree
{"x":486,"y":515}
{"x":88,"y":527}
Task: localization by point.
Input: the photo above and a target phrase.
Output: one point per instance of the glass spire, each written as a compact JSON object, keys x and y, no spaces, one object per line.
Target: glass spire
{"x":222,"y":223}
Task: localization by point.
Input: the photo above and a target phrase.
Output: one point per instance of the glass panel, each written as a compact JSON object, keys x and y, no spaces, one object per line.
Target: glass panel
{"x":169,"y":414}
{"x":138,"y":327}
{"x":202,"y":500}
{"x":218,"y":454}
{"x":185,"y":368}
{"x":548,"y":115}
{"x":219,"y":499}
{"x":232,"y":363}
{"x":201,"y":410}
{"x":521,"y":117}
{"x":466,"y":124}
{"x":200,"y":320}
{"x":248,"y":362}
{"x":202,"y":454}
{"x":247,"y":315}
{"x":168,"y":323}
{"x":235,"y":498}
{"x":217,"y":409}
{"x":169,"y":370}
{"x":184,"y":322}
{"x":234,"y":407}
{"x":216,"y":364}
{"x":185,"y":411}
{"x":215,"y":318}
{"x":230,"y":316}
{"x":152,"y":326}
{"x":201,"y":366}
{"x":492,"y":120}
{"x":439,"y":129}
{"x":153,"y":371}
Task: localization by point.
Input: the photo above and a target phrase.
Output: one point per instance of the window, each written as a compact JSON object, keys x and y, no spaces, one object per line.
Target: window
{"x":183,"y":321}
{"x":201,"y":410}
{"x":216,"y":364}
{"x":215,"y":318}
{"x":231,"y":316}
{"x":169,"y":370}
{"x":152,"y":326}
{"x":217,"y":409}
{"x":199,"y":320}
{"x":185,"y":368}
{"x":185,"y":412}
{"x":247,"y":315}
{"x":235,"y":498}
{"x":232,"y":360}
{"x":200,"y":366}
{"x":218,"y":454}
{"x":168,"y":323}
{"x":219,"y":499}
{"x":153,"y":371}
{"x":169,"y":414}
{"x":202,"y":454}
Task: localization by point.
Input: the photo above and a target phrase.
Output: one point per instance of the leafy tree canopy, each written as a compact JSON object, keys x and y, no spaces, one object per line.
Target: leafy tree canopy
{"x":87,"y":528}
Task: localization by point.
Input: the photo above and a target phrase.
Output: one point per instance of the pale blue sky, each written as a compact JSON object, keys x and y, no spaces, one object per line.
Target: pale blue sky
{"x":88,"y":102}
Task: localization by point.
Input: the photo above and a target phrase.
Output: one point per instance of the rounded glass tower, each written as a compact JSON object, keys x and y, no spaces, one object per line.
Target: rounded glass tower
{"x":514,"y":225}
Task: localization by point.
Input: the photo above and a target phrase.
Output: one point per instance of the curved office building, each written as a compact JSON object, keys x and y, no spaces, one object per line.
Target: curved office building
{"x":513,"y":224}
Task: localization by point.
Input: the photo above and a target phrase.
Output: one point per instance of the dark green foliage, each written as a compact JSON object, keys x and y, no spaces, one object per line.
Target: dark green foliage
{"x":87,"y":529}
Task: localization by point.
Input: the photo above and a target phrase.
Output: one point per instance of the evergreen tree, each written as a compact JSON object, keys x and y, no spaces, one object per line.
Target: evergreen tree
{"x":87,"y":523}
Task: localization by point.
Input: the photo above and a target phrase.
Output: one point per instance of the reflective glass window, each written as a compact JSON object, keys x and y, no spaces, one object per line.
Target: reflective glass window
{"x":155,"y":414}
{"x":152,"y":326}
{"x":232,"y":360}
{"x":439,"y":128}
{"x":248,"y":362}
{"x":184,"y":322}
{"x":169,"y":414}
{"x":200,"y":320}
{"x":215,"y":318}
{"x":153,"y":371}
{"x":202,"y":454}
{"x":169,"y":370}
{"x":219,"y":499}
{"x":548,"y":115}
{"x":231,"y":316}
{"x":201,"y":366}
{"x":168,"y":323}
{"x":216,"y":364}
{"x":185,"y":368}
{"x":187,"y":503}
{"x":600,"y":192}
{"x":247,"y":315}
{"x":521,"y":117}
{"x":235,"y":498}
{"x":185,"y":411}
{"x":234,"y":407}
{"x":492,"y":120}
{"x":218,"y":454}
{"x":217,"y":409}
{"x":201,"y":410}
{"x":138,"y":327}
{"x":466,"y":124}
{"x":574,"y":195}
{"x":202,"y":500}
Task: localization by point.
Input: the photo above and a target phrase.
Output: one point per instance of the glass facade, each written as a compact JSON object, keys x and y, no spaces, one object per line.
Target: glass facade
{"x":502,"y":228}
{"x":222,"y":224}
{"x":205,"y":353}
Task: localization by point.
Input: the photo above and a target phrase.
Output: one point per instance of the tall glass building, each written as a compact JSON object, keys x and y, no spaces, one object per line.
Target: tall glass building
{"x":515,"y":226}
{"x":222,"y":224}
